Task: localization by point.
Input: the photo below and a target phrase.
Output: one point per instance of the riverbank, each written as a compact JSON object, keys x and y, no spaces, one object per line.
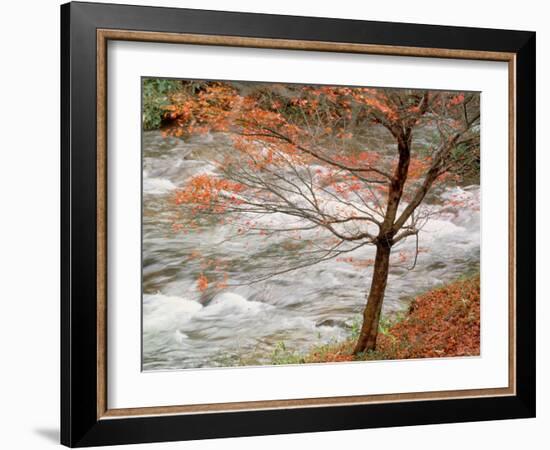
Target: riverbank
{"x":443,"y":322}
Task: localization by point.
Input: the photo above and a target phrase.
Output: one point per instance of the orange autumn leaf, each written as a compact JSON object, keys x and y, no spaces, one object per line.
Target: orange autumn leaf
{"x":202,"y":283}
{"x":223,"y":284}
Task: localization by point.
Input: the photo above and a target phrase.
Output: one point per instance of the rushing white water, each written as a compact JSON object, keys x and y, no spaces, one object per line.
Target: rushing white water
{"x":184,"y":328}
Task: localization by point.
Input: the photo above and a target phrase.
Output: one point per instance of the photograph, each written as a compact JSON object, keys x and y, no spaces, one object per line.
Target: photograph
{"x":278,"y":222}
{"x":275,"y":225}
{"x":296,"y":224}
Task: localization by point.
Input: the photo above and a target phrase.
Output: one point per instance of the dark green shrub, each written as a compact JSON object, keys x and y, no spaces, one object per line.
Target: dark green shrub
{"x":156,"y":92}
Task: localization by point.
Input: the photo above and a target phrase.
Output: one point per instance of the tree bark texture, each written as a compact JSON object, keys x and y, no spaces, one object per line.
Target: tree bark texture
{"x":371,"y":314}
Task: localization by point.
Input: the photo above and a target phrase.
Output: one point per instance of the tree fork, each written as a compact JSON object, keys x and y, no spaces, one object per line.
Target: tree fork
{"x":371,"y":314}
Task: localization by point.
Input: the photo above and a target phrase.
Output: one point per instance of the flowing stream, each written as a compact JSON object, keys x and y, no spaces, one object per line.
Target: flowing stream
{"x":186,"y":328}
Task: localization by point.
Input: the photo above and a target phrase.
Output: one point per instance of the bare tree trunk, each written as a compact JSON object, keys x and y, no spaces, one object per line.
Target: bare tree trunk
{"x":371,"y":314}
{"x":384,"y":242}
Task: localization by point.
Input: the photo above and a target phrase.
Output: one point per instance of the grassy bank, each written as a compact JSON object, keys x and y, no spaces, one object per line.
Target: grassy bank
{"x":443,"y":322}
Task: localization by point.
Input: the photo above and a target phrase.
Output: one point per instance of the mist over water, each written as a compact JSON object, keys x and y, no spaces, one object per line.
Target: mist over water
{"x":186,"y":328}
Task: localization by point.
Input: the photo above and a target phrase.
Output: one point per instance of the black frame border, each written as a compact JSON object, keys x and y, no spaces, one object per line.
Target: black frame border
{"x":79,"y":424}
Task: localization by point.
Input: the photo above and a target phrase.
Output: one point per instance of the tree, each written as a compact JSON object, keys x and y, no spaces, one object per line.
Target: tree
{"x":309,"y":152}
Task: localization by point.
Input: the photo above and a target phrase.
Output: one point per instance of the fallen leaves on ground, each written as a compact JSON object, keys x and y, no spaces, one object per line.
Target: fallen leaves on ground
{"x":443,"y":322}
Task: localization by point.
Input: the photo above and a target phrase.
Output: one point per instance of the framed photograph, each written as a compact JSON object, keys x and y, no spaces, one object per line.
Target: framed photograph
{"x":277,"y":224}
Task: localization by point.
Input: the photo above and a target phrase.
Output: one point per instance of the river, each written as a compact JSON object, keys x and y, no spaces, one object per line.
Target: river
{"x":186,"y":328}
